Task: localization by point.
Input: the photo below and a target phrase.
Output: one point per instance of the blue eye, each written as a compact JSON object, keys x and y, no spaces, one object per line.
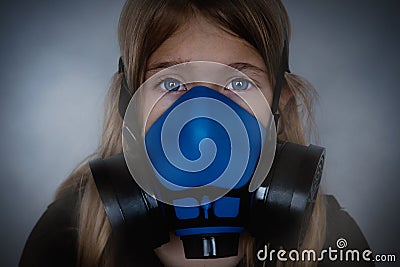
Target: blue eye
{"x":239,"y":84}
{"x":171,"y":84}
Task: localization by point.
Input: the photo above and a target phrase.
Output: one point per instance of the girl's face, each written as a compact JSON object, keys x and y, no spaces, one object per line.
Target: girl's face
{"x":201,"y":40}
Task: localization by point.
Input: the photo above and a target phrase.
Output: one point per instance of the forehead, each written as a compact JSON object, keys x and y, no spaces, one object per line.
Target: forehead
{"x":202,"y":40}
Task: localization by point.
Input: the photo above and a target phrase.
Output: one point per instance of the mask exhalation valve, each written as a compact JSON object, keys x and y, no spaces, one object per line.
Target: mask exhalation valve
{"x":210,"y":246}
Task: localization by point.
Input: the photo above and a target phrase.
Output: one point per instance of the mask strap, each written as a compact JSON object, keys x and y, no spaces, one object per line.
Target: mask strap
{"x":283,"y":67}
{"x":124,"y":94}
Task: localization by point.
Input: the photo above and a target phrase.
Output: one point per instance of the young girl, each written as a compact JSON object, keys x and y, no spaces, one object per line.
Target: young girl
{"x":155,"y":35}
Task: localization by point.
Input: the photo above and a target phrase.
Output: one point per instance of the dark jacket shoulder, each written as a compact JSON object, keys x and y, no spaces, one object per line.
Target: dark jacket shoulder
{"x":343,"y":234}
{"x":52,"y":241}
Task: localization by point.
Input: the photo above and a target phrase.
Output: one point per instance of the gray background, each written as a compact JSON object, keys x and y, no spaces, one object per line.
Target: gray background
{"x":57,"y":58}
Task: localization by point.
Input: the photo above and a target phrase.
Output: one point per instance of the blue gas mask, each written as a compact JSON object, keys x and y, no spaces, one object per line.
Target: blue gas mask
{"x":204,"y":139}
{"x":204,"y":151}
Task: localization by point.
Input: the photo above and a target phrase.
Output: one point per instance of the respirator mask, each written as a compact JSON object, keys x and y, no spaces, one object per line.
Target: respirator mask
{"x":201,"y":159}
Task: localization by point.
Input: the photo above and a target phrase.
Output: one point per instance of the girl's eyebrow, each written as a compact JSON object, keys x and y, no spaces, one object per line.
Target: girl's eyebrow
{"x":163,"y":65}
{"x":240,"y":66}
{"x":243,"y":66}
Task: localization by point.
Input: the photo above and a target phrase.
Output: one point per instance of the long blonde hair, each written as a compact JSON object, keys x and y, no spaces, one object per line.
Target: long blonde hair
{"x":144,"y":25}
